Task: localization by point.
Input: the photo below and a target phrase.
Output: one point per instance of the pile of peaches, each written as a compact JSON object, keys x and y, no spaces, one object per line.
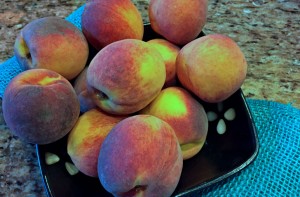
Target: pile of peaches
{"x":132,"y":113}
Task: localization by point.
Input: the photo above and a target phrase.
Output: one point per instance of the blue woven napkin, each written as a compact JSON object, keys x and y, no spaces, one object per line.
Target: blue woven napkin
{"x":275,"y":171}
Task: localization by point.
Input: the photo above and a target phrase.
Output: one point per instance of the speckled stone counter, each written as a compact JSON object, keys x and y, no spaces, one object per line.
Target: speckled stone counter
{"x":268,"y":33}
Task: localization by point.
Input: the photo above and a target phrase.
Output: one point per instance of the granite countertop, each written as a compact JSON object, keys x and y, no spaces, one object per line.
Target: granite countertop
{"x":267,"y":32}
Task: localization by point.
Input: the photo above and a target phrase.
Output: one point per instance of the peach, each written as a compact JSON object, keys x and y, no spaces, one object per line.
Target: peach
{"x":86,"y":102}
{"x":80,"y":82}
{"x":40,"y":106}
{"x":52,"y":43}
{"x":106,"y":21}
{"x":178,"y":21}
{"x":213,"y":67}
{"x":125,"y":76}
{"x":185,"y":115}
{"x":140,"y":157}
{"x":169,"y":53}
{"x":86,"y":138}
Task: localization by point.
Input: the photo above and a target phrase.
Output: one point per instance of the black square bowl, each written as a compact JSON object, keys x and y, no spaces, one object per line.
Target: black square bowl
{"x":221,"y":156}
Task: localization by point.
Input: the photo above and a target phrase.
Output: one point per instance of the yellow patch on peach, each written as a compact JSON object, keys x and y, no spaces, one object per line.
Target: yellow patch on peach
{"x":41,"y":78}
{"x":87,"y":124}
{"x":86,"y":138}
{"x":130,"y":16}
{"x":21,"y":46}
{"x":48,"y":80}
{"x":189,"y":149}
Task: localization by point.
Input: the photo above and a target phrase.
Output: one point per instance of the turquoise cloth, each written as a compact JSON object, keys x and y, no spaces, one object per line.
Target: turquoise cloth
{"x":275,"y":171}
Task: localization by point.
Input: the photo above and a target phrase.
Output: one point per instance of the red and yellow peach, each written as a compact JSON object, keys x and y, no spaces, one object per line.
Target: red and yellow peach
{"x":104,"y":22}
{"x":86,"y":137}
{"x":176,"y":20}
{"x":40,"y":106}
{"x":185,"y":115}
{"x":52,"y":43}
{"x":169,"y":54}
{"x":213,"y":67}
{"x":125,"y":76}
{"x":140,"y":157}
{"x":85,"y":100}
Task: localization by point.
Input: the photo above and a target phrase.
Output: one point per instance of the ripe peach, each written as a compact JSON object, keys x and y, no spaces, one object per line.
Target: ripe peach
{"x":213,"y":67}
{"x":40,"y":106}
{"x":140,"y":157}
{"x":86,"y":102}
{"x":178,"y":21}
{"x":125,"y":76}
{"x":169,"y":53}
{"x":52,"y":43}
{"x":185,"y":115}
{"x":106,"y":21}
{"x":86,"y":138}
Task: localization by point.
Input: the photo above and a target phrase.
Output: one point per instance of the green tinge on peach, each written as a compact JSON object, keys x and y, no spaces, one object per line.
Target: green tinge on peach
{"x":184,"y":114}
{"x":140,"y":157}
{"x":189,"y":150}
{"x":40,"y":106}
{"x":169,"y":54}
